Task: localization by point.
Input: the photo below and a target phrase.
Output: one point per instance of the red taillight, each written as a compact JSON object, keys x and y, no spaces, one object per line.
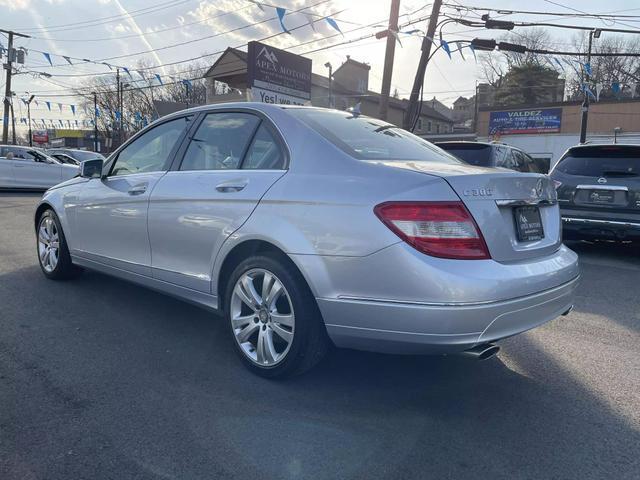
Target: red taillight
{"x":439,"y":229}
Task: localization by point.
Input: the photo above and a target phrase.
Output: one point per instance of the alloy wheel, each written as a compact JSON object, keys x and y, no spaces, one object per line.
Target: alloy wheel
{"x":262,"y":317}
{"x":48,"y":244}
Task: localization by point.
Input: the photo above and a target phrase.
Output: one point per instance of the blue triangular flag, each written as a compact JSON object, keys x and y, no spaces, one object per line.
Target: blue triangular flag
{"x":48,"y":105}
{"x":587,"y":68}
{"x":24,"y":101}
{"x":68,"y":59}
{"x":473,"y":50}
{"x":445,"y":47}
{"x":60,"y":106}
{"x":73,"y":109}
{"x":588,"y":91}
{"x":334,"y":24}
{"x":127,"y":71}
{"x":281,"y":13}
{"x":48,"y":57}
{"x":159,"y":79}
{"x":97,"y":112}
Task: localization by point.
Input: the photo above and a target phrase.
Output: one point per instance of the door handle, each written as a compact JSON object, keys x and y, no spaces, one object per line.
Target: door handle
{"x":138,"y":189}
{"x":228,"y":187}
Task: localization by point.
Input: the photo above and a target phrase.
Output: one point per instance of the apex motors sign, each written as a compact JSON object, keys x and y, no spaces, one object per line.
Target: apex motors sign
{"x":276,"y":76}
{"x":541,"y":120}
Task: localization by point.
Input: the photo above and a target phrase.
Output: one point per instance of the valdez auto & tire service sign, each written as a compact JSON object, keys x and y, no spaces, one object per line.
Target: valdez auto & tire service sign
{"x":539,"y":120}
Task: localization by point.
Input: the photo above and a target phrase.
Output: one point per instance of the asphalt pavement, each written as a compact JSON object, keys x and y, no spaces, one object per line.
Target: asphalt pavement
{"x":102,"y":379}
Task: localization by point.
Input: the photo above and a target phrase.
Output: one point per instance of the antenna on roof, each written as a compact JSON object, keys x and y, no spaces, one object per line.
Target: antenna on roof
{"x":355,"y":110}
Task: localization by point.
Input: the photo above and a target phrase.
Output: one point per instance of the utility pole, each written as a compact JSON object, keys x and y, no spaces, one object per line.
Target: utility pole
{"x":29,"y":115}
{"x":422,"y":66}
{"x":388,"y":59}
{"x":585,"y":100}
{"x":95,"y":121}
{"x":7,"y":88}
{"x":13,"y":122}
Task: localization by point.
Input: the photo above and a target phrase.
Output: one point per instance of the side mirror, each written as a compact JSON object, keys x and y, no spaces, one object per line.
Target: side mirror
{"x":91,"y":168}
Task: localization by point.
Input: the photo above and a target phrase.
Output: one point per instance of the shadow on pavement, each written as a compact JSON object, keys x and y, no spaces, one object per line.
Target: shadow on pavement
{"x":159,"y":393}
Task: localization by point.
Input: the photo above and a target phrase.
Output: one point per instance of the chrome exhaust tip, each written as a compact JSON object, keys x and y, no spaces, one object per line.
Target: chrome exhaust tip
{"x":568,"y":311}
{"x":482,"y":352}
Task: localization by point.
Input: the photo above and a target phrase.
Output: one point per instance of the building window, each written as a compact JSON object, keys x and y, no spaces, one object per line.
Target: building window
{"x":429,"y":126}
{"x":437,"y":128}
{"x":419,"y":124}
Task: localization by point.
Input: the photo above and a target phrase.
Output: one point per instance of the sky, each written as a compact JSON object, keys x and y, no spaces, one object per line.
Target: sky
{"x":125,"y":32}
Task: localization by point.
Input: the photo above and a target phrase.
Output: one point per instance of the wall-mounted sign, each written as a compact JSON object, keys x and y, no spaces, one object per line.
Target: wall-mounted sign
{"x":538,"y":120}
{"x":276,"y":76}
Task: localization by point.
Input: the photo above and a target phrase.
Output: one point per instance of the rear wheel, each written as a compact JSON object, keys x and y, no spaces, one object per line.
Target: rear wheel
{"x":273,"y":318}
{"x":53,"y":254}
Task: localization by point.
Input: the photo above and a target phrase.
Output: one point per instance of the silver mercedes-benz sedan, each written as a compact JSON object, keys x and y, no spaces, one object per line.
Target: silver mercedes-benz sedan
{"x":309,"y":227}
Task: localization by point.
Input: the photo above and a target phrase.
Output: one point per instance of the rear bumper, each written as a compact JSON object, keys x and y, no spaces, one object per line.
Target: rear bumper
{"x":574,"y":226}
{"x":414,"y":328}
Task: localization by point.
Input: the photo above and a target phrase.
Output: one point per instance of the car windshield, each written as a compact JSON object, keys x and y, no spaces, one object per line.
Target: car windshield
{"x":602,"y":162}
{"x":367,"y":138}
{"x":473,"y":153}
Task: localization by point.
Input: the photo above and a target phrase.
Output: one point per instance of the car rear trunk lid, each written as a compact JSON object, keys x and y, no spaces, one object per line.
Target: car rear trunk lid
{"x":517,"y":213}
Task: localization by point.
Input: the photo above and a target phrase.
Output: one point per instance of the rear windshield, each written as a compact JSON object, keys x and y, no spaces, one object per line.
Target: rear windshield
{"x":478,"y":154}
{"x":602,"y":163}
{"x":82,"y":155}
{"x":367,"y":138}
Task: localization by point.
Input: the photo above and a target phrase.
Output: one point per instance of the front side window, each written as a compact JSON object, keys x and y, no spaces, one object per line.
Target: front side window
{"x":220,"y":142}
{"x":367,"y":138}
{"x":150,"y":152}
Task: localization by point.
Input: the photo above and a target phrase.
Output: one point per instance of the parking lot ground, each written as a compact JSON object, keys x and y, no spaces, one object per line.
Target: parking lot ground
{"x":103,"y":379}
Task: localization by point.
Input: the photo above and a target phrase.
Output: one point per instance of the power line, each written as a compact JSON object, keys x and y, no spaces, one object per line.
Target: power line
{"x":109,"y":19}
{"x":154,"y":32}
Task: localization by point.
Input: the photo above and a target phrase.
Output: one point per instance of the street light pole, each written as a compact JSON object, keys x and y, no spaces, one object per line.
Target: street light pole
{"x":328,"y":65}
{"x":95,"y":121}
{"x":585,"y":101}
{"x":29,"y":116}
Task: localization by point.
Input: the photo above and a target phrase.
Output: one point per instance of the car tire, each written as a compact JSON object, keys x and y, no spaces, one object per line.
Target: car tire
{"x":51,"y":249}
{"x":266,"y":326}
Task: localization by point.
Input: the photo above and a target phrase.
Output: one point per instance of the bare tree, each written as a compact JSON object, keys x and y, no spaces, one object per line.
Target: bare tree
{"x":606,"y":71}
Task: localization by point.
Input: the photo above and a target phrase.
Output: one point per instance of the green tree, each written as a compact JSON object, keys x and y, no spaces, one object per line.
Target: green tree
{"x":530,"y":84}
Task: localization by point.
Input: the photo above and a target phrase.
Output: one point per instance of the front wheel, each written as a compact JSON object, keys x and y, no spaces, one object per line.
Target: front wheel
{"x":274,"y":319}
{"x":53,"y":253}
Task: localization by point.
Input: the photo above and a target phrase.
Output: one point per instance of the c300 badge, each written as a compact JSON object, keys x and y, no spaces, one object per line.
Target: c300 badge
{"x":477,"y":192}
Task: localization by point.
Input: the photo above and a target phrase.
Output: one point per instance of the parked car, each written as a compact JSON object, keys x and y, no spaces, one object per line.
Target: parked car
{"x":306,"y":226}
{"x":76,"y":154}
{"x":599,"y":192}
{"x":64,"y":158}
{"x":485,"y":154}
{"x":30,"y":168}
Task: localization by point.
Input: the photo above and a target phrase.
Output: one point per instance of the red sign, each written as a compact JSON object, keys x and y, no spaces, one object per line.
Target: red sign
{"x":40,"y":136}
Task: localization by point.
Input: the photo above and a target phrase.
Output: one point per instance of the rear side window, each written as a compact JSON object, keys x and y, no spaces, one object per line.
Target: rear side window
{"x":220,"y":142}
{"x":601,"y":163}
{"x":264,"y":153}
{"x":367,"y":138}
{"x":474,"y":154}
